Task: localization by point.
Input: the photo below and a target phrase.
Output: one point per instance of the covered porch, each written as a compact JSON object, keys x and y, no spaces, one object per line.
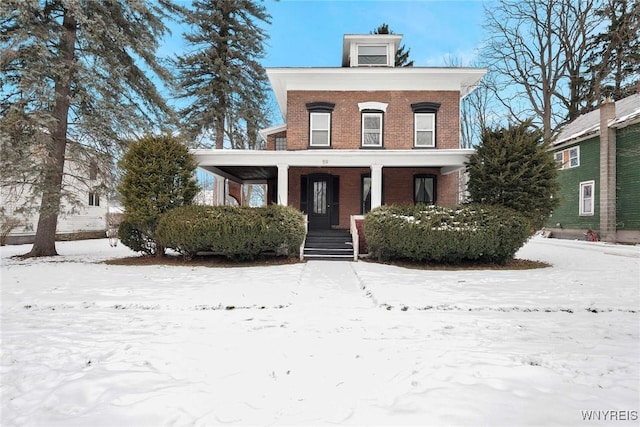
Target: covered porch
{"x":312,"y":179}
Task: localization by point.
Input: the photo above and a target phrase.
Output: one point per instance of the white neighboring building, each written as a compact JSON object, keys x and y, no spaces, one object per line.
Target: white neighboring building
{"x":86,"y":220}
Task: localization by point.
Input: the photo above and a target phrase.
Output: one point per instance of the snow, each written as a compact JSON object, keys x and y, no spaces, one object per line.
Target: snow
{"x":322,"y":342}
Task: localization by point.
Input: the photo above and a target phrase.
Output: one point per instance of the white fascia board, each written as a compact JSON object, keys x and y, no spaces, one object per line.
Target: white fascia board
{"x":270,"y":131}
{"x":462,"y":80}
{"x":450,"y":158}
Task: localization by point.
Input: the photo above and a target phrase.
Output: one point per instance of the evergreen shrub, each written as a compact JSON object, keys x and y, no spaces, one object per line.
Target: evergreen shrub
{"x":135,"y":238}
{"x":236,"y":232}
{"x":157,"y":176}
{"x":422,"y":233}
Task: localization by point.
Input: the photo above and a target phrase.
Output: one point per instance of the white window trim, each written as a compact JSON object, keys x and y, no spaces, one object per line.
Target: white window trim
{"x":593,"y":198}
{"x":379,"y":144}
{"x":566,"y":158}
{"x":416,"y":130}
{"x":311,"y":129}
{"x":373,"y":105}
{"x":356,"y":50}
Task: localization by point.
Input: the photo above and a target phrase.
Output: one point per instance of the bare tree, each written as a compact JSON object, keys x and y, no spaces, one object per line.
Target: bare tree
{"x":477,"y":108}
{"x":536,"y":50}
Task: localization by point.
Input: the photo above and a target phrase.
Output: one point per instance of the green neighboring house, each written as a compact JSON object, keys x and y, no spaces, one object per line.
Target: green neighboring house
{"x":598,"y":157}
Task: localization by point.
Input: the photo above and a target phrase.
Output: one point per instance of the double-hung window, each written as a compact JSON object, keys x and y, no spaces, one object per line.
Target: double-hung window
{"x":320,"y":129}
{"x":372,"y":129}
{"x":574,"y":157}
{"x":425,"y":131}
{"x":587,"y":198}
{"x":569,"y":158}
{"x":94,"y":199}
{"x":320,"y":123}
{"x":424,"y":124}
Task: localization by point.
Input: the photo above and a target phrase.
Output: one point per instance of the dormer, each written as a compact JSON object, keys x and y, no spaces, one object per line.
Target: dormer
{"x":370,"y":50}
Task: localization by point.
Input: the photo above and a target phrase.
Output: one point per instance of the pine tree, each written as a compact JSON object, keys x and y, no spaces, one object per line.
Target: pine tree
{"x":221,"y":76}
{"x":157,"y":176}
{"x":614,"y":63}
{"x":512,"y":167}
{"x":402,"y":54}
{"x":74,"y":71}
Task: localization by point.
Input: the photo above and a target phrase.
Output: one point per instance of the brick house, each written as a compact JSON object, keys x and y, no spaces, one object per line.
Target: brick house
{"x":357,"y":136}
{"x":598,"y":155}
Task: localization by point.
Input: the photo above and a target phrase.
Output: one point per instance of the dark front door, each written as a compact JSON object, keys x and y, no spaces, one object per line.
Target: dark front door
{"x":321,"y":200}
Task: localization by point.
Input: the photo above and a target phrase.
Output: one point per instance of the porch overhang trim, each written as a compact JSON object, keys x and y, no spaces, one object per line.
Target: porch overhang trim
{"x":448,"y":159}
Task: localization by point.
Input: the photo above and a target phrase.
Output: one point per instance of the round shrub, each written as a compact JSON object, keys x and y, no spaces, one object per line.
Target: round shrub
{"x":450,"y":235}
{"x":239,"y":233}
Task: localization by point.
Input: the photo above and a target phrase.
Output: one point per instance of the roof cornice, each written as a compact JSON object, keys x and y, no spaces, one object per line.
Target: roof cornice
{"x":463,"y":80}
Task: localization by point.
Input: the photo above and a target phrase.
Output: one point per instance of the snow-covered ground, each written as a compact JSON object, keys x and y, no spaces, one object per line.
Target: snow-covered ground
{"x":90,"y":344}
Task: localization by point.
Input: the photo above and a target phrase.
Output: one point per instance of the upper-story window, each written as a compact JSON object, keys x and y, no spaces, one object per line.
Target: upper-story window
{"x":373,"y":55}
{"x":569,"y":158}
{"x":424,"y":124}
{"x":320,"y":123}
{"x":93,"y":171}
{"x":372,"y":129}
{"x":372,"y":121}
{"x":425,"y":130}
{"x":320,"y":130}
{"x":281,"y":143}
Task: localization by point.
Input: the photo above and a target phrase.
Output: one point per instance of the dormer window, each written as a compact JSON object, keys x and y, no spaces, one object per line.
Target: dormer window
{"x":373,"y":55}
{"x":370,"y":50}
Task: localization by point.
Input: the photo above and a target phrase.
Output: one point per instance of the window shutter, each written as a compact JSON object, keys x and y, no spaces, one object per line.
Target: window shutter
{"x":335,"y":200}
{"x":303,"y":193}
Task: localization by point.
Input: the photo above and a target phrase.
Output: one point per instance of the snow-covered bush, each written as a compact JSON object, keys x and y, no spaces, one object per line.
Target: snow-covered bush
{"x":237,"y":232}
{"x":451,"y":235}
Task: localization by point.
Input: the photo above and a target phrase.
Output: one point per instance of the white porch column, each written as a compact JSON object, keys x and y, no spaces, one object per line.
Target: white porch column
{"x":283,"y":184}
{"x":376,"y":186}
{"x":219,"y":197}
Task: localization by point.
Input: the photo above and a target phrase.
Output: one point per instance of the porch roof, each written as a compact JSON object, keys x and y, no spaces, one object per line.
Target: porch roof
{"x":254,"y":165}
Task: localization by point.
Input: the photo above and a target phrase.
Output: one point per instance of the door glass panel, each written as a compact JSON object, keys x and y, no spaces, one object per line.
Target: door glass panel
{"x":320,"y":197}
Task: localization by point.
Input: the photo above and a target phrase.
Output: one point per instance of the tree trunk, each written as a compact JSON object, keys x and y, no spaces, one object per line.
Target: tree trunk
{"x":45,"y":239}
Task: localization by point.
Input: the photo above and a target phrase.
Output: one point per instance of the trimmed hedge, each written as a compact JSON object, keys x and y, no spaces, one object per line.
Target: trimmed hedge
{"x":450,"y":235}
{"x":238,"y":233}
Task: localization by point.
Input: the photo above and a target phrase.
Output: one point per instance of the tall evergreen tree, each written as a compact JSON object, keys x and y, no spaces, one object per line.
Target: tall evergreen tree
{"x":157,"y":176}
{"x":74,"y":71}
{"x":221,"y":76}
{"x":402,"y":54}
{"x":614,"y":62}
{"x":512,"y":167}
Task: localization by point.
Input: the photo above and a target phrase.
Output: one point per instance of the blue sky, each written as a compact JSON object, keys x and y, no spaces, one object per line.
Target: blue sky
{"x":308,"y":33}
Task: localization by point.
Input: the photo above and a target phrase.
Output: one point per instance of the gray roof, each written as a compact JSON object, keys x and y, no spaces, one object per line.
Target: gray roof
{"x":627,"y":110}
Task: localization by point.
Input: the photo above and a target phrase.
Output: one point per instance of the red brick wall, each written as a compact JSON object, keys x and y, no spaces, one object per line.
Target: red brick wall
{"x":235,"y":190}
{"x":271,"y":140}
{"x":397,"y":187}
{"x":398,"y":120}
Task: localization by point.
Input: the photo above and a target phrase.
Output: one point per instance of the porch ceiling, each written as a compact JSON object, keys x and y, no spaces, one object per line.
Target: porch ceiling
{"x":244,"y":173}
{"x":248,"y":165}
